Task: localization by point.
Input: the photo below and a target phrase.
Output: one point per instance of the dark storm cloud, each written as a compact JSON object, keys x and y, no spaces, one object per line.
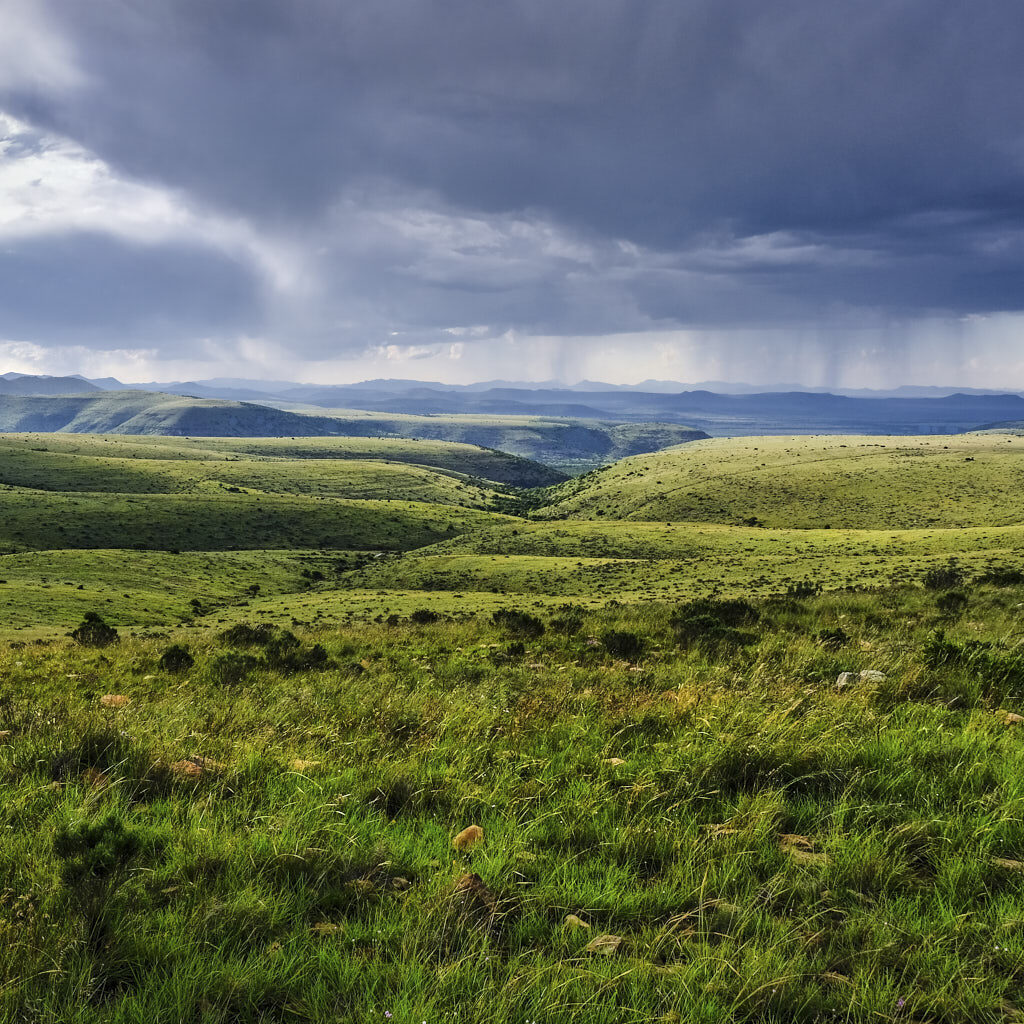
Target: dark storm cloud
{"x":776,"y":162}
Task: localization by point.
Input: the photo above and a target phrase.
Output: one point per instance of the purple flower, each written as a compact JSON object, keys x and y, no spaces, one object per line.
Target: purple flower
{"x":899,"y":1004}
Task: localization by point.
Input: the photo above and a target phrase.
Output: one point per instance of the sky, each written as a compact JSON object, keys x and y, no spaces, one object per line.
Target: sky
{"x":825,"y":192}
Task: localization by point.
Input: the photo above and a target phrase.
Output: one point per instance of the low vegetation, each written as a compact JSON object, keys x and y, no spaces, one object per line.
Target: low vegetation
{"x":314,"y":758}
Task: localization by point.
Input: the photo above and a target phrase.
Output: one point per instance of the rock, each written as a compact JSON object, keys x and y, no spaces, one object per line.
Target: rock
{"x":195,"y":767}
{"x":801,"y":849}
{"x":1007,"y":864}
{"x":1012,"y":718}
{"x":574,"y":923}
{"x":613,"y":761}
{"x":94,"y":778}
{"x":299,"y":765}
{"x":872,"y":675}
{"x":846,"y":679}
{"x":468,"y":837}
{"x":114,"y":700}
{"x":325,"y":928}
{"x":606,"y":945}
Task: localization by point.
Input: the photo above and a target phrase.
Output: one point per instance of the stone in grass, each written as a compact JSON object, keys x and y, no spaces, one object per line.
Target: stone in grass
{"x":846,"y":679}
{"x":575,"y":923}
{"x":195,"y":767}
{"x":606,"y":945}
{"x":613,"y":761}
{"x":1012,"y":718}
{"x":114,"y":700}
{"x":872,"y":675}
{"x":299,"y":765}
{"x":801,"y":849}
{"x":1008,"y":864}
{"x":468,"y":838}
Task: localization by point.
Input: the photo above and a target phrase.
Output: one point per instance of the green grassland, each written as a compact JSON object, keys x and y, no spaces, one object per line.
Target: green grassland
{"x":64,"y":462}
{"x":811,"y":482}
{"x":204,"y":522}
{"x":569,"y":445}
{"x":697,"y":833}
{"x":689,"y":816}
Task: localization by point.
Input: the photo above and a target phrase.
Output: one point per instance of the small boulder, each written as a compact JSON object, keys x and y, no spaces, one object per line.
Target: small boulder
{"x":606,"y":945}
{"x":114,"y":700}
{"x":872,"y":675}
{"x":845,"y":680}
{"x":574,"y":923}
{"x":468,"y":838}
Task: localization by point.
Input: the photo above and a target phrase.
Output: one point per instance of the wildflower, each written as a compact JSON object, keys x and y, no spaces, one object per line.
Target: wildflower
{"x":900,"y":1002}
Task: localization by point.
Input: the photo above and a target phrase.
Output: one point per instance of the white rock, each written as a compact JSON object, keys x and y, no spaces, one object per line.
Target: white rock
{"x":846,"y":679}
{"x":872,"y":675}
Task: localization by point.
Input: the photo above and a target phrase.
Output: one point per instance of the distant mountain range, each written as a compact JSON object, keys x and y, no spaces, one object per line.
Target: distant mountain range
{"x":238,"y":406}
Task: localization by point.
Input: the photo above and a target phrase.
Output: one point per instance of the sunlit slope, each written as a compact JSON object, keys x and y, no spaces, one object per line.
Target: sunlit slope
{"x":43,"y":590}
{"x":811,"y":482}
{"x":317,"y":465}
{"x":32,"y":519}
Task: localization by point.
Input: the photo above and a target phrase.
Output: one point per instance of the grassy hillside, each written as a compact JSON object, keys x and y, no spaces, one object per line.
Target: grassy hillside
{"x":144,"y":412}
{"x":811,"y":482}
{"x":221,"y":521}
{"x":569,"y":444}
{"x":695,"y":832}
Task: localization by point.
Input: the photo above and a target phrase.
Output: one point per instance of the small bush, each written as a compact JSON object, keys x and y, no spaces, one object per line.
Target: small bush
{"x":944,"y":577}
{"x":94,"y":632}
{"x":569,"y":619}
{"x":176,"y":659}
{"x":231,"y":668}
{"x":518,"y":623}
{"x":95,"y":860}
{"x":952,"y":603}
{"x":997,"y":577}
{"x":803,"y":588}
{"x":710,"y":622}
{"x":833,"y":639}
{"x":622,"y":644}
{"x":244,"y":635}
{"x":423,"y":617}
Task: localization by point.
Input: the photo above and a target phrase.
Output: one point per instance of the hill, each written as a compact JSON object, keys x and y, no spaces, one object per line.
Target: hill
{"x":142,"y":412}
{"x":345,"y":467}
{"x":810,"y":482}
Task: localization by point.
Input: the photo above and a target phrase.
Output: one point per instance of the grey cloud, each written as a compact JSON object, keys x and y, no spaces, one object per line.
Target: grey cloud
{"x":779,"y":163}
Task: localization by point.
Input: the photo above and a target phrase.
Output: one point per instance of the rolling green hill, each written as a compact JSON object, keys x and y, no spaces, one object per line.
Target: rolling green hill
{"x":146,"y":412}
{"x":810,"y":482}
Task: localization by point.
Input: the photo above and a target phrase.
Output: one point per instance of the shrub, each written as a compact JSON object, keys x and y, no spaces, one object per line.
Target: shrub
{"x":833,"y":639}
{"x":569,"y":619}
{"x":518,"y":623}
{"x":803,"y":588}
{"x":622,"y":644}
{"x":244,"y":635}
{"x":95,"y":860}
{"x":998,"y":577}
{"x":944,"y":577}
{"x":423,"y":617}
{"x":711,"y":622}
{"x":94,"y":632}
{"x":176,"y":659}
{"x":230,"y":668}
{"x":951,"y":603}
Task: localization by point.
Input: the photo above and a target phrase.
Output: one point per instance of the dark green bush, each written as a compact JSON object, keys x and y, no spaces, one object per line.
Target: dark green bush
{"x":710,"y":622}
{"x":94,"y":632}
{"x":944,"y":577}
{"x":621,"y":644}
{"x":998,"y":577}
{"x":952,"y":603}
{"x":95,"y":859}
{"x":244,"y":635}
{"x":569,"y":619}
{"x":423,"y":617}
{"x":833,"y":639}
{"x":230,"y":668}
{"x":176,"y":659}
{"x":521,"y":624}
